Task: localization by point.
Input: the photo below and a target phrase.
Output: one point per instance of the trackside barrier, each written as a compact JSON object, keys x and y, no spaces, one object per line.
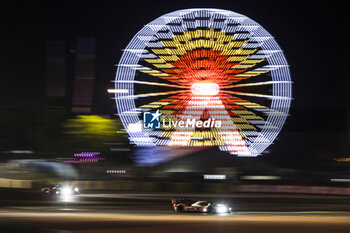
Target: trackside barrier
{"x":109,"y":185}
{"x":183,"y":187}
{"x":216,"y":188}
{"x":180,"y":187}
{"x":9,"y":183}
{"x":294,"y":189}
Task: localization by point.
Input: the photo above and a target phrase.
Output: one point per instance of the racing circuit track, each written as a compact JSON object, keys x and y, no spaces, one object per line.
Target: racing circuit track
{"x":147,"y":212}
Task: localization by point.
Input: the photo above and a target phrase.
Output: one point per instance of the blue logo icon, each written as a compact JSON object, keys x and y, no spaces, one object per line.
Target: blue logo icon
{"x":151,"y":120}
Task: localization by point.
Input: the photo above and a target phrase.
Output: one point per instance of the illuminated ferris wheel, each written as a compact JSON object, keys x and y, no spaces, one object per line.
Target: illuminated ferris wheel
{"x":204,"y":64}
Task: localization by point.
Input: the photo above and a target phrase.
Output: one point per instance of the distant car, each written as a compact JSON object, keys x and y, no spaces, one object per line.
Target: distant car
{"x":59,"y":190}
{"x":187,"y":205}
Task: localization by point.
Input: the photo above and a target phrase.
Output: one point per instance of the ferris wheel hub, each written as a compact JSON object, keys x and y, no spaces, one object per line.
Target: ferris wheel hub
{"x":205,"y":89}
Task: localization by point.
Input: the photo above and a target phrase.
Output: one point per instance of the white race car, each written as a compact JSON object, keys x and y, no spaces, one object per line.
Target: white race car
{"x":187,"y":205}
{"x":59,"y":190}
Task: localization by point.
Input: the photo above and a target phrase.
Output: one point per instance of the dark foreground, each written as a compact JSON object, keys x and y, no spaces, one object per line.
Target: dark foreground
{"x":44,"y":221}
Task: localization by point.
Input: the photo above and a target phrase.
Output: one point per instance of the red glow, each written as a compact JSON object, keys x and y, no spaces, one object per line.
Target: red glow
{"x":204,"y":66}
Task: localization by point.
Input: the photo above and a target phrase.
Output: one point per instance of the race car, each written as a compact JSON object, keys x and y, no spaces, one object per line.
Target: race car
{"x":58,"y":189}
{"x":187,"y":205}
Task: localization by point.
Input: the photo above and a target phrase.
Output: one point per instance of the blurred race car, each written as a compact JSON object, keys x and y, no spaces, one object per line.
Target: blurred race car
{"x":187,"y":205}
{"x":58,"y":189}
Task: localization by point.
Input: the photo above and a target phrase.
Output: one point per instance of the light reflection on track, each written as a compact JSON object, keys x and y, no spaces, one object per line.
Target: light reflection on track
{"x":84,"y":222}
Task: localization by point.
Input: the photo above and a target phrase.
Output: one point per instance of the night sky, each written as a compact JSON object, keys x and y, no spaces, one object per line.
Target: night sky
{"x":312,"y":35}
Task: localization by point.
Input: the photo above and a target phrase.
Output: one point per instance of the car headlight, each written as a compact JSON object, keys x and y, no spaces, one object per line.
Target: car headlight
{"x":66,"y":191}
{"x":76,"y":189}
{"x":221,"y":209}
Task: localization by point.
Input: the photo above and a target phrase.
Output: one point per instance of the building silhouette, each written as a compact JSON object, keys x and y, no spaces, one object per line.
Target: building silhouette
{"x":55,"y":68}
{"x":83,"y":86}
{"x":58,"y":71}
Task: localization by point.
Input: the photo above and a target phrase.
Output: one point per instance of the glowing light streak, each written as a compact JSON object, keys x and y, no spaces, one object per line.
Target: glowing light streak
{"x":118,"y":91}
{"x":255,"y":84}
{"x":152,"y":83}
{"x":152,"y":94}
{"x":256,"y":95}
